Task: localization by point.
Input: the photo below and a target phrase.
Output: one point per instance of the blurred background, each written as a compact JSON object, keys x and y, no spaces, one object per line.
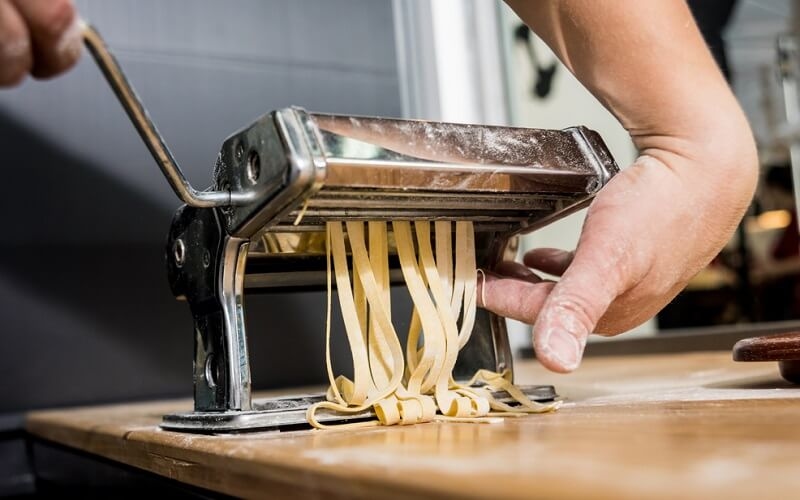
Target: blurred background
{"x":87,"y":315}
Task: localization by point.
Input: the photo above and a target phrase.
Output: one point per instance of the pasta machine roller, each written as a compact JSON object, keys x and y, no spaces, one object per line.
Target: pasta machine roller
{"x":261,"y":224}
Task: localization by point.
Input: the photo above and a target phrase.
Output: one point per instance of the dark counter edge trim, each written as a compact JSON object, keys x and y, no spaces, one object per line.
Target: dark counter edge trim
{"x":33,"y":441}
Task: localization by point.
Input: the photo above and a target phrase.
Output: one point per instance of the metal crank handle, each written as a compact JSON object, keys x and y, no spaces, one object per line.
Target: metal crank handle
{"x":148,"y":132}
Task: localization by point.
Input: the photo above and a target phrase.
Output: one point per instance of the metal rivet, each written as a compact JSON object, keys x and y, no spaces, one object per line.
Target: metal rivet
{"x":253,"y":167}
{"x":179,"y":252}
{"x":206,"y":258}
{"x":239,"y":152}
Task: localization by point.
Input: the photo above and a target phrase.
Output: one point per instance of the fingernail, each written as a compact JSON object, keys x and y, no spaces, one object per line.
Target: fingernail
{"x":565,"y":348}
{"x":71,"y":41}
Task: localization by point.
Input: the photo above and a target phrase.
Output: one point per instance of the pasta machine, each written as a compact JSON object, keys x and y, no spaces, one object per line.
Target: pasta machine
{"x":276,"y":182}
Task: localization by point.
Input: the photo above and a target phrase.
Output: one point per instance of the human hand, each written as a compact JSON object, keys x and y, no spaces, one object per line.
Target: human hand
{"x":649,"y":230}
{"x":37,"y":37}
{"x":658,"y":222}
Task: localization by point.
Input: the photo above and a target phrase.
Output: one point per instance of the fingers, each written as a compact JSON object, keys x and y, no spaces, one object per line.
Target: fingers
{"x":549,"y":260}
{"x":16,"y":58}
{"x":515,"y":298}
{"x":571,"y":311}
{"x":55,"y":34}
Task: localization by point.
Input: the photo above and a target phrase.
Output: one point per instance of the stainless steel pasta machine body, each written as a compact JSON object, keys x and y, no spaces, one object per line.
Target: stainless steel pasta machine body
{"x":311,"y":168}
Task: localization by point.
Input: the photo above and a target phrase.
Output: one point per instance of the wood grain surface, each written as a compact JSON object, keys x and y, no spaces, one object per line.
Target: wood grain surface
{"x":657,"y":426}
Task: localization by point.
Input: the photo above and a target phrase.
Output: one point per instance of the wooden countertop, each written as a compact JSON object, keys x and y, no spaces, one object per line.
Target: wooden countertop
{"x":692,"y":425}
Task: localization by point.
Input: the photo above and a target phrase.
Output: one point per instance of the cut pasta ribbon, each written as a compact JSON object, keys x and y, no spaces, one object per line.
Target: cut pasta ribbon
{"x":418,"y":387}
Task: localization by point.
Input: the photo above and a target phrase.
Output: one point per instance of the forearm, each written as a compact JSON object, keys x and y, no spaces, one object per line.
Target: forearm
{"x":648,"y":64}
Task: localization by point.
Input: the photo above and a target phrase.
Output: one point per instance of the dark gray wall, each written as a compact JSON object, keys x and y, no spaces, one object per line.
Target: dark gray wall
{"x":85,"y":311}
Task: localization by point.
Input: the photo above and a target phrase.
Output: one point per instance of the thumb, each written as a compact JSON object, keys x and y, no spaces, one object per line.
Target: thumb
{"x":572,"y":310}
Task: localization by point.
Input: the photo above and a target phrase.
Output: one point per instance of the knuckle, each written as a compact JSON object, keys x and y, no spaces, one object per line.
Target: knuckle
{"x":531,"y":302}
{"x":14,"y":47}
{"x":579,"y":307}
{"x":15,"y":60}
{"x":574,"y":303}
{"x":58,"y":17}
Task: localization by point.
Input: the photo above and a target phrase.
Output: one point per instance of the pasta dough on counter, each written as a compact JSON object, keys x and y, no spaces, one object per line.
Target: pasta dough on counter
{"x":416,"y":386}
